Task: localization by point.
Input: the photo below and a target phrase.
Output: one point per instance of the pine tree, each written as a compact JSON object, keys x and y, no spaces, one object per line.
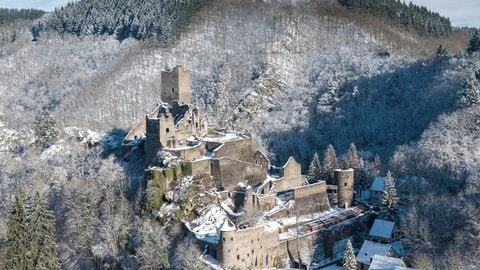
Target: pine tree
{"x":390,"y":198}
{"x":349,"y":260}
{"x":18,"y":246}
{"x":314,"y":169}
{"x":443,"y":51}
{"x":470,"y":95}
{"x":474,"y":43}
{"x":41,"y":230}
{"x":352,"y":159}
{"x":45,"y":131}
{"x":329,"y":163}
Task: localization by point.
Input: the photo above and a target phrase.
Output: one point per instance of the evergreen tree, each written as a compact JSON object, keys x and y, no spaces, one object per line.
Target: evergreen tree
{"x":329,"y":163}
{"x":45,"y":131}
{"x":314,"y":169}
{"x":443,"y":51}
{"x":41,"y":228}
{"x":470,"y":95}
{"x":474,"y":43}
{"x":349,"y":260}
{"x":352,"y":159}
{"x":18,"y":246}
{"x":389,"y":198}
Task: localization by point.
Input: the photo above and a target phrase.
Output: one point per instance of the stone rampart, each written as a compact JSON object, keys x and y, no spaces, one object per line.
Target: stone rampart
{"x":240,"y":149}
{"x":227,"y":172}
{"x":311,"y":198}
{"x":248,"y":248}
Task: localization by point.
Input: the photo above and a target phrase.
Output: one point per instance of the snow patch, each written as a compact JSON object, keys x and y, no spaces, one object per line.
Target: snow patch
{"x":207,"y":226}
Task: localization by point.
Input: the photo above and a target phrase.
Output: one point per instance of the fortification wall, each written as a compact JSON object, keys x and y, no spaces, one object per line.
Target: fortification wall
{"x":261,"y":159}
{"x":227,"y":172}
{"x":201,"y":168}
{"x":311,"y":198}
{"x":137,"y":132}
{"x":241,"y":149}
{"x":325,"y":240}
{"x":188,"y":153}
{"x":248,"y":248}
{"x":292,"y":176}
{"x":265,"y":202}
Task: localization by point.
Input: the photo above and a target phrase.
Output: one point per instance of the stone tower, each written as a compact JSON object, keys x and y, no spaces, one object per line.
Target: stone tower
{"x":344,"y":180}
{"x":176,"y":86}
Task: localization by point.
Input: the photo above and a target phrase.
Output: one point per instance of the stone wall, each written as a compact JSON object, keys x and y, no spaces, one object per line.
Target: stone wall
{"x":261,"y":159}
{"x":291,"y":176}
{"x":201,"y":168}
{"x":227,"y":172}
{"x":188,"y":153}
{"x":248,"y":248}
{"x":137,"y":132}
{"x":240,"y":149}
{"x":311,"y":198}
{"x":265,"y":202}
{"x":325,"y":239}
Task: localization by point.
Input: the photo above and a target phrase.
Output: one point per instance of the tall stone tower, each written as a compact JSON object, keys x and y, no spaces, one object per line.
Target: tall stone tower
{"x":176,"y":86}
{"x":344,"y":180}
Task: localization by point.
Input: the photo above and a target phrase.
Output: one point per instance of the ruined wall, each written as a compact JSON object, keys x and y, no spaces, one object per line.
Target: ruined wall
{"x":166,"y":130}
{"x":265,"y":202}
{"x":188,"y":153}
{"x":248,"y":248}
{"x":175,"y":85}
{"x":140,"y":129}
{"x":227,"y":172}
{"x":241,"y":149}
{"x":192,"y":123}
{"x":292,"y":176}
{"x":325,"y":239}
{"x":344,"y":180}
{"x":261,"y":159}
{"x":152,"y":139}
{"x":311,"y":198}
{"x":201,"y":168}
{"x":137,"y":132}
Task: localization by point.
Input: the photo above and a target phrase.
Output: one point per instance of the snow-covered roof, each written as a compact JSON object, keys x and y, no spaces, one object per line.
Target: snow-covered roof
{"x":370,"y":249}
{"x":378,"y":184}
{"x":382,"y":228}
{"x":380,"y":262}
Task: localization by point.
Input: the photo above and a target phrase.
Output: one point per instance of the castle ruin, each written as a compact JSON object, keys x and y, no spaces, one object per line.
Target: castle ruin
{"x":244,"y":177}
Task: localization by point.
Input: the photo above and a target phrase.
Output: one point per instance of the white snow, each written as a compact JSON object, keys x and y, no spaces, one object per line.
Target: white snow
{"x":207,"y":226}
{"x":382,"y":228}
{"x":369,"y":249}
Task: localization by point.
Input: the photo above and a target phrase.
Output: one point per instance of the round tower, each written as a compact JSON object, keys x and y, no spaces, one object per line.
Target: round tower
{"x":344,"y":180}
{"x":226,"y":245}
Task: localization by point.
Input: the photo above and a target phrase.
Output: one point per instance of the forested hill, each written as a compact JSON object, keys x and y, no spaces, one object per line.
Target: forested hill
{"x":298,"y":75}
{"x":11,"y":15}
{"x":125,"y":18}
{"x":410,"y":16}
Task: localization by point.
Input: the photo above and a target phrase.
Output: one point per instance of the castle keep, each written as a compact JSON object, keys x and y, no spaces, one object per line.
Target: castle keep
{"x":244,"y":181}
